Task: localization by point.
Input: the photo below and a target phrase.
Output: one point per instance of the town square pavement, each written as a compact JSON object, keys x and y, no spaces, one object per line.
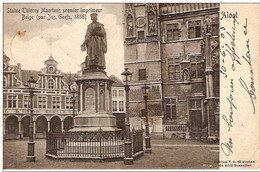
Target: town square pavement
{"x":166,"y":154}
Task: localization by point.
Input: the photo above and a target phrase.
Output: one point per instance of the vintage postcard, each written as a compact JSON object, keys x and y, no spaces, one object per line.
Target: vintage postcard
{"x":114,"y":86}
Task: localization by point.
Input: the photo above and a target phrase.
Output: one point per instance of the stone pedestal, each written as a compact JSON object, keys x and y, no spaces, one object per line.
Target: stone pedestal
{"x":95,"y":103}
{"x":148,"y":148}
{"x":30,"y":156}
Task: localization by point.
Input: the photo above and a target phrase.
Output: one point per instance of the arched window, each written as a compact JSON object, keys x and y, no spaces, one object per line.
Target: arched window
{"x":216,"y":80}
{"x":51,"y":83}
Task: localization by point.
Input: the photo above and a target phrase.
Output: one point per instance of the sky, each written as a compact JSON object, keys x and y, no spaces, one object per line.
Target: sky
{"x":37,"y":39}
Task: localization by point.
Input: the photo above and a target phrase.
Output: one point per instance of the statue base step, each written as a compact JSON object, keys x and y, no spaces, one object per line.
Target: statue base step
{"x":93,"y":129}
{"x":94,"y":122}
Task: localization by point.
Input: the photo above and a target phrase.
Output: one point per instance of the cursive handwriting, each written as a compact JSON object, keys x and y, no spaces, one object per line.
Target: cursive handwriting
{"x":231,"y":106}
{"x":227,"y":147}
{"x":247,"y":57}
{"x":231,"y":49}
{"x":239,"y":60}
{"x":223,"y":69}
{"x":250,"y":92}
{"x":245,"y":27}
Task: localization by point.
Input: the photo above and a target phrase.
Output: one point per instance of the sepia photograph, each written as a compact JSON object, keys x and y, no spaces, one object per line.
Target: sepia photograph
{"x":115,"y":86}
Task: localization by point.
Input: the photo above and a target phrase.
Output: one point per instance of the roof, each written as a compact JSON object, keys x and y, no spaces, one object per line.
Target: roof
{"x":51,"y":61}
{"x":69,"y":78}
{"x":117,"y":82}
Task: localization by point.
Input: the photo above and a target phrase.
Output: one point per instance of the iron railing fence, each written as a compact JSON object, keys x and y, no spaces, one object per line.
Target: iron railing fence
{"x":100,"y":144}
{"x":86,"y":144}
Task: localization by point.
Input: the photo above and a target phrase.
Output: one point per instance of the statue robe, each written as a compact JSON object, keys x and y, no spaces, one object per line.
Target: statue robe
{"x":96,"y":42}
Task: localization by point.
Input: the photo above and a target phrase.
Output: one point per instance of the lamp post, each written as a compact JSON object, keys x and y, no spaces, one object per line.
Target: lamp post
{"x":73,"y":92}
{"x":73,"y":99}
{"x":30,"y":156}
{"x":148,"y":148}
{"x":128,"y":160}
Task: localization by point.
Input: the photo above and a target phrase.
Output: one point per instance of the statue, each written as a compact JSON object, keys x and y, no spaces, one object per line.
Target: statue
{"x":185,"y":75}
{"x":96,"y":44}
{"x":207,"y":22}
{"x":151,"y":27}
{"x":129,"y":25}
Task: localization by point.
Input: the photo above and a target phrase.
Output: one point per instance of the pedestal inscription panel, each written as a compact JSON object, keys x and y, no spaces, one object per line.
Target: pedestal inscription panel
{"x":89,"y":99}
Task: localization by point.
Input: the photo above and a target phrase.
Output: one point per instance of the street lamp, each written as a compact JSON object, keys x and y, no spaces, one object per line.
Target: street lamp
{"x":148,"y":148}
{"x":30,"y":156}
{"x":73,"y":99}
{"x":128,"y":160}
{"x":73,"y":92}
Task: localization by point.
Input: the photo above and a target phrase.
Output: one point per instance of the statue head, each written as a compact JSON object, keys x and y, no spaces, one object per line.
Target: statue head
{"x":93,"y":17}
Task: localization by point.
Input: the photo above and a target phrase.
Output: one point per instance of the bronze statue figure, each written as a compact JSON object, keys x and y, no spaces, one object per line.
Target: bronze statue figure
{"x":96,"y":44}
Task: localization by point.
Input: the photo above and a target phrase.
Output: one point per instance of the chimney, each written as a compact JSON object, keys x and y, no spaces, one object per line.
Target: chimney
{"x":19,"y":71}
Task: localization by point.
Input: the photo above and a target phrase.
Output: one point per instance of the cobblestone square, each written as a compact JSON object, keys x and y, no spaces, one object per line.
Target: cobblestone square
{"x":167,"y":154}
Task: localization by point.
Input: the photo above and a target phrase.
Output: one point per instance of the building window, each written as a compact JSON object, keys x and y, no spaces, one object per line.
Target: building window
{"x":170,"y":69}
{"x":142,"y":74}
{"x":114,"y":106}
{"x":171,"y":108}
{"x":194,"y":29}
{"x":195,"y":104}
{"x":215,"y":26}
{"x":177,"y":72}
{"x":51,"y":84}
{"x":68,"y":103}
{"x":42,"y":101}
{"x":140,"y":35}
{"x":56,"y":103}
{"x":26,"y":101}
{"x":121,"y":106}
{"x":196,"y":67}
{"x":173,"y":70}
{"x":12,"y":101}
{"x":121,"y":93}
{"x":114,"y":92}
{"x":215,"y":29}
{"x":172,"y":32}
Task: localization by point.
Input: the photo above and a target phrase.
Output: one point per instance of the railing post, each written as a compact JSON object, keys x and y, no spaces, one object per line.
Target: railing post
{"x":100,"y":146}
{"x":187,"y":131}
{"x":55,"y":145}
{"x":47,"y":139}
{"x":133,"y":141}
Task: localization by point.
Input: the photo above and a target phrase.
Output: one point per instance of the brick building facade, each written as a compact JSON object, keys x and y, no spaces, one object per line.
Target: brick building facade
{"x":52,"y":105}
{"x":52,"y":102}
{"x":174,"y":48}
